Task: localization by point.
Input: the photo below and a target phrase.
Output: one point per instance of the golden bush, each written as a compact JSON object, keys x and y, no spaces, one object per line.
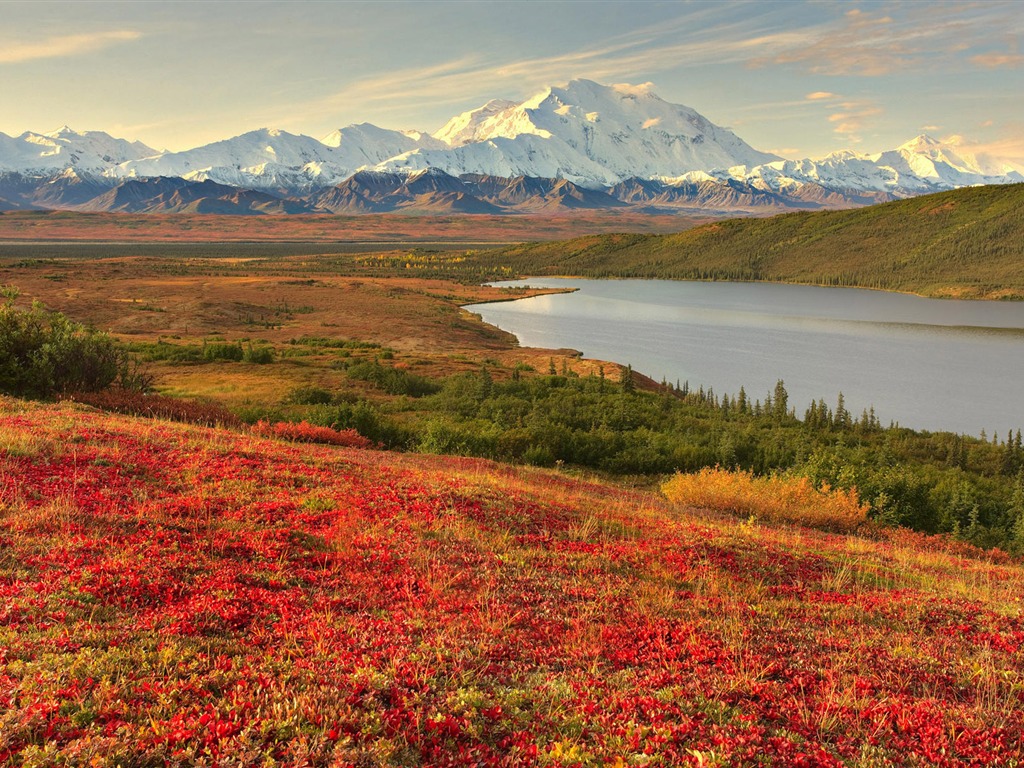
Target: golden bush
{"x":776,"y":498}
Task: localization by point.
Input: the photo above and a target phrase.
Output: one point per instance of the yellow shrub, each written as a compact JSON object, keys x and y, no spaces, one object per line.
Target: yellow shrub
{"x":779,"y":499}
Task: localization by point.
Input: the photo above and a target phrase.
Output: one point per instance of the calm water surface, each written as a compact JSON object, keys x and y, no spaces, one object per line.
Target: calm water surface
{"x":924,"y":363}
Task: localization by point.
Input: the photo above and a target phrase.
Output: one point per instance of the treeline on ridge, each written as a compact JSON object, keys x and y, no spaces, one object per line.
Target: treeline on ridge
{"x":967,"y":242}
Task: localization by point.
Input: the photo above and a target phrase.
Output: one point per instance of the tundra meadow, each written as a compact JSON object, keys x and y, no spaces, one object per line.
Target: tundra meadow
{"x":176,"y":594}
{"x":274,"y":494}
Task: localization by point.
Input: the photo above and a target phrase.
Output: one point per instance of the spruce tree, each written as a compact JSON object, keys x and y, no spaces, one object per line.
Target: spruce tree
{"x":781,"y":401}
{"x":627,"y":379}
{"x":842,"y":416}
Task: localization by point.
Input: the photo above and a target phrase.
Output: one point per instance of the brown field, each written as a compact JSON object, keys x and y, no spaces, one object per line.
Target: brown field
{"x":268,"y":280}
{"x":272,"y":302}
{"x":143,"y":298}
{"x":375,"y":228}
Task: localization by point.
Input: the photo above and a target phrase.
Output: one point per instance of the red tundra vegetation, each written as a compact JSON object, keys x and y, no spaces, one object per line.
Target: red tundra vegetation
{"x":304,"y":432}
{"x":172,"y":594}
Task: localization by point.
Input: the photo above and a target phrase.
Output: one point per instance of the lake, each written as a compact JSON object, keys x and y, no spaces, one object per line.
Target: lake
{"x":924,"y":363}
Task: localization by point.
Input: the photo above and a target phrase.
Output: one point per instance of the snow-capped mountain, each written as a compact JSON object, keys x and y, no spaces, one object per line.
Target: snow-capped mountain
{"x":465,"y":128}
{"x":594,"y":135}
{"x":919,"y":166}
{"x":362,"y":145}
{"x":583,"y":145}
{"x":526,"y":155}
{"x":93,"y":151}
{"x":273,"y":159}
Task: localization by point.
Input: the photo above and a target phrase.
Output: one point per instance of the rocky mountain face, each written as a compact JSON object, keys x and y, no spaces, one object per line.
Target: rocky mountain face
{"x":580,"y":146}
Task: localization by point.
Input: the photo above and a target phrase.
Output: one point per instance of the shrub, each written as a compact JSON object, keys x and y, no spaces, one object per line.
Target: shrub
{"x":538,"y":456}
{"x":222,"y":351}
{"x":158,"y":406}
{"x":309,"y":396}
{"x":164,"y":350}
{"x":304,"y":432}
{"x":364,"y":418}
{"x":259,"y":355}
{"x":394,"y":381}
{"x":43,"y":354}
{"x":776,"y":498}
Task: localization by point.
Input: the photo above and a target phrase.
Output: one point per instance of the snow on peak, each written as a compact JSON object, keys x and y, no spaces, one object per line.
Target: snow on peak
{"x":415,"y":135}
{"x":977,"y":158}
{"x":271,"y":158}
{"x":63,"y":132}
{"x":949,"y":160}
{"x":93,"y":151}
{"x":366,"y":134}
{"x":921,"y":143}
{"x":923,"y":164}
{"x":589,"y":133}
{"x":462,"y":129}
{"x":644,"y":89}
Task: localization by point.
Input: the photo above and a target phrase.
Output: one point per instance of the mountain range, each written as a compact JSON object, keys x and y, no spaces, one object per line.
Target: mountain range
{"x":581,"y":146}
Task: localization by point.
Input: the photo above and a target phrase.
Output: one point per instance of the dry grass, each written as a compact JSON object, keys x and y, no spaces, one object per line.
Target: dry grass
{"x":17,"y":442}
{"x":188,"y":301}
{"x":374,"y":228}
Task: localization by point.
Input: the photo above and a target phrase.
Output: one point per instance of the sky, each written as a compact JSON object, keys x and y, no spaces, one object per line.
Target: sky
{"x":800,"y":79}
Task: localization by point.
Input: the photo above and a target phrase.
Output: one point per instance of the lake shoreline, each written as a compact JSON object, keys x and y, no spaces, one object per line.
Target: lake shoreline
{"x":988,"y":297}
{"x":872,"y":349}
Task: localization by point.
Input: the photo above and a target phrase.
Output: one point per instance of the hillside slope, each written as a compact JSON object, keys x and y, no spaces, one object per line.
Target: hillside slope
{"x":967,"y":242}
{"x":181,"y":595}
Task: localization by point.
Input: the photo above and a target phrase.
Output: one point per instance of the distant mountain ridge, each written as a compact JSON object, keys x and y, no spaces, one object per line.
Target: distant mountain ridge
{"x":584,"y":145}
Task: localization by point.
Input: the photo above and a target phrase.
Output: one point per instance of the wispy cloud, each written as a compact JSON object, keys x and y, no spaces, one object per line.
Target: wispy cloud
{"x":1008,"y":148}
{"x":861,"y":43}
{"x":848,"y":116}
{"x":998,"y":60}
{"x":873,"y":44}
{"x":634,"y":55}
{"x":851,"y":118}
{"x":63,"y":46}
{"x":867,"y":43}
{"x":1011,"y":150}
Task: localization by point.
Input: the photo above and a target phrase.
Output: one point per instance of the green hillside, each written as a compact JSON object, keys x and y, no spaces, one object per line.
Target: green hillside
{"x":965,"y":243}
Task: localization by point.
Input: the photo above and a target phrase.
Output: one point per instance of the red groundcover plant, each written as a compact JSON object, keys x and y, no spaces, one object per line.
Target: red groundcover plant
{"x":178,"y":595}
{"x":157,"y":406}
{"x":304,"y":432}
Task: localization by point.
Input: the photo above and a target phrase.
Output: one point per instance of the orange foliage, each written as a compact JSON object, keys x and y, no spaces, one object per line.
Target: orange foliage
{"x":776,"y":498}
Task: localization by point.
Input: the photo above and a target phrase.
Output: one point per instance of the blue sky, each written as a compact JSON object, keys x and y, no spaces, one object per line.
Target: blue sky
{"x":797,"y":78}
